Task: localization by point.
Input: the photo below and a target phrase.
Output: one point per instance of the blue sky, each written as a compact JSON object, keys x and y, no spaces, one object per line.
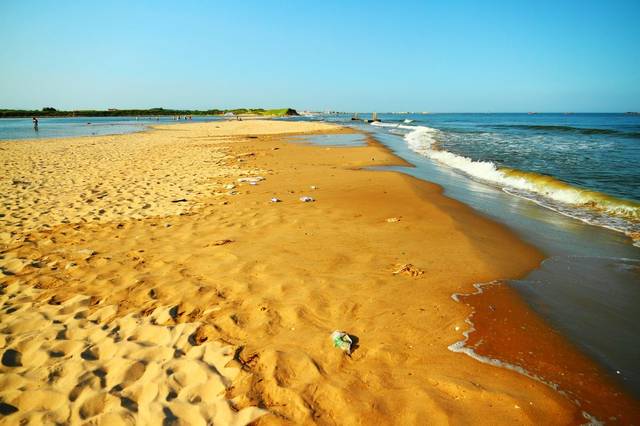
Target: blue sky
{"x":436,"y":56}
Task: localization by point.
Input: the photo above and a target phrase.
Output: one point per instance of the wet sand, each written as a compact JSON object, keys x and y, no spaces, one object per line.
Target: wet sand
{"x":508,"y":330}
{"x":223,"y":302}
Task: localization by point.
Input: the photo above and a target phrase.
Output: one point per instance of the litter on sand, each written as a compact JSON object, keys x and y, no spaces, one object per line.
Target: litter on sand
{"x":408,"y":269}
{"x":252,"y":180}
{"x":276,"y":200}
{"x":393,"y":219}
{"x":306,"y":199}
{"x":342,"y":341}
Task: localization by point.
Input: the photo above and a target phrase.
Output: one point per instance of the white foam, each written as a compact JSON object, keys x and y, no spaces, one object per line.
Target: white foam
{"x":422,"y":140}
{"x":461,"y":347}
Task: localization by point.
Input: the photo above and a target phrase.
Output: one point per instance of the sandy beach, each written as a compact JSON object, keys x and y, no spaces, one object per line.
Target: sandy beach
{"x":149,"y":278}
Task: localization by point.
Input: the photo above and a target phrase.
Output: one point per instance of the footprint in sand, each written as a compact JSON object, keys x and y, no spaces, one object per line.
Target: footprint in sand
{"x":67,"y":365}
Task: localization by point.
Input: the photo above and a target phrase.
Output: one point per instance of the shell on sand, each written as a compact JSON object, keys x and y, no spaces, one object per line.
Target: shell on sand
{"x":408,"y":269}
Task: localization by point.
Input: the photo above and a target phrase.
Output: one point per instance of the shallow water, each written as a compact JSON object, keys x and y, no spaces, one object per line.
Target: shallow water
{"x":346,"y":139}
{"x":589,"y":286}
{"x":60,"y":127}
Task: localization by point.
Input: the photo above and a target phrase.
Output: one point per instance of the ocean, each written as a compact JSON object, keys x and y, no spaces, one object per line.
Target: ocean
{"x":586,"y":166}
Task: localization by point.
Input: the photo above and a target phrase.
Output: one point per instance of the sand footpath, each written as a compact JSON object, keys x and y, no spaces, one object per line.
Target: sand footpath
{"x":147,"y":279}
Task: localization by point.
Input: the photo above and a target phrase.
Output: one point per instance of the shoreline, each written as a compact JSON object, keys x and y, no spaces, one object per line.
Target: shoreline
{"x":578,"y":377}
{"x":527,"y":342}
{"x":333,"y":270}
{"x":592,"y":206}
{"x":145,"y":124}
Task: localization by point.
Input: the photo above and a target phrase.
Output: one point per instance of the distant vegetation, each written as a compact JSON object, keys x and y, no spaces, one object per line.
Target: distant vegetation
{"x":259,"y":111}
{"x":52,"y":112}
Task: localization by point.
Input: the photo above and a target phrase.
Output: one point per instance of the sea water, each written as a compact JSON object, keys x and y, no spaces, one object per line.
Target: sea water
{"x":60,"y":127}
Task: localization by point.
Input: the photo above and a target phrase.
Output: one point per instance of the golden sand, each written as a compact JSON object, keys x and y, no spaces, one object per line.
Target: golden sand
{"x":71,"y":364}
{"x":225,"y":301}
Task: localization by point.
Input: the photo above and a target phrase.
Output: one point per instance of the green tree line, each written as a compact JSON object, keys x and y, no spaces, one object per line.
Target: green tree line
{"x":152,"y":112}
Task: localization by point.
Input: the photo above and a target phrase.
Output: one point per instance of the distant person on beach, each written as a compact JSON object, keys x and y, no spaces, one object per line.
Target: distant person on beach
{"x":35,"y":124}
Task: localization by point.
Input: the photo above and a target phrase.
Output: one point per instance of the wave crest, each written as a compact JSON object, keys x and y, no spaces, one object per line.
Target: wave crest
{"x":590,"y":206}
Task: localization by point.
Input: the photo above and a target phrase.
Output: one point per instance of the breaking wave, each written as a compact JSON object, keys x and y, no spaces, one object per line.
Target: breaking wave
{"x":589,"y":206}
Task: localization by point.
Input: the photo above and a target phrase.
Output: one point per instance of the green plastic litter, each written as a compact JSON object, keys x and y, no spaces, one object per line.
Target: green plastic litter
{"x":342,"y":341}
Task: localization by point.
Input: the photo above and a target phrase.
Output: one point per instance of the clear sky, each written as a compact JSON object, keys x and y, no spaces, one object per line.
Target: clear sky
{"x":344,"y":55}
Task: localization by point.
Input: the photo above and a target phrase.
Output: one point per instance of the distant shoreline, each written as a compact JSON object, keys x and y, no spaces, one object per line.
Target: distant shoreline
{"x":152,"y":112}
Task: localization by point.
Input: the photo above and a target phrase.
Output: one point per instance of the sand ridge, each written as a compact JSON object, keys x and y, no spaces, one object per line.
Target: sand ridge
{"x":290,"y":273}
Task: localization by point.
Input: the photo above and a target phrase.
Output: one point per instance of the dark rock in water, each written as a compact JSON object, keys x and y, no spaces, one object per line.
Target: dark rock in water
{"x":12,"y":358}
{"x":6,"y":409}
{"x":291,"y":112}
